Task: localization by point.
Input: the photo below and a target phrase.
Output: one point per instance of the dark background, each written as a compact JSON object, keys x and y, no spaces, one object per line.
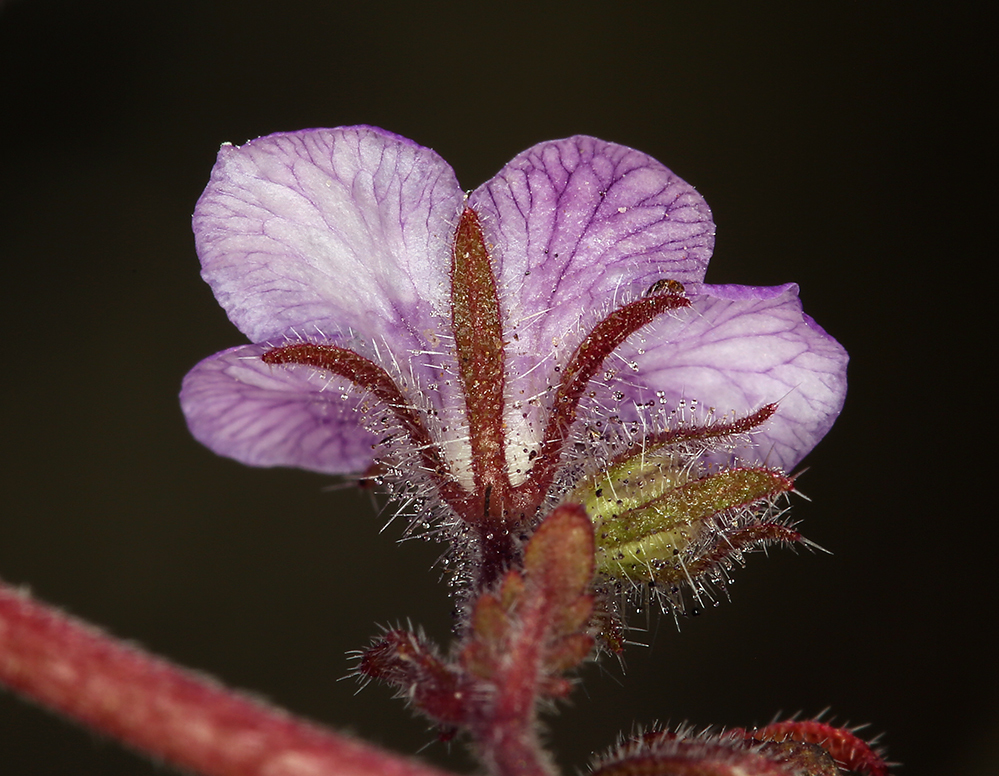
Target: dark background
{"x":836,"y":144}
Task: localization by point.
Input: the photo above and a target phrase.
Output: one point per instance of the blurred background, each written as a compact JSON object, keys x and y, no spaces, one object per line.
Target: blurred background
{"x":838,"y":145}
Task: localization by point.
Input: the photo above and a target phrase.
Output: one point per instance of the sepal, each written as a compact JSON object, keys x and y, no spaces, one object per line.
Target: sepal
{"x":841,"y":743}
{"x":789,"y":748}
{"x":685,"y":753}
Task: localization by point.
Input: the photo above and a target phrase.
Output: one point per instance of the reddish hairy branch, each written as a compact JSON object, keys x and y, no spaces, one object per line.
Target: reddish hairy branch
{"x":165,"y":712}
{"x":706,"y":432}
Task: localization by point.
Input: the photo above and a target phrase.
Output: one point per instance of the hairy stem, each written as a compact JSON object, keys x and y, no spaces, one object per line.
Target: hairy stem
{"x":165,"y":712}
{"x":507,"y":737}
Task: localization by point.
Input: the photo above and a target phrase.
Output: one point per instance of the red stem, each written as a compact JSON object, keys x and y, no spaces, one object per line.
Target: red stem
{"x":508,"y":736}
{"x":165,"y":712}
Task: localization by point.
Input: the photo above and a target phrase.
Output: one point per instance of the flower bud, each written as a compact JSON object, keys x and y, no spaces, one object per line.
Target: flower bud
{"x":661,"y":519}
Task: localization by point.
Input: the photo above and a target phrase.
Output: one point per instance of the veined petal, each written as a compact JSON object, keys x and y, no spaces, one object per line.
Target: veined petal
{"x":572,"y":225}
{"x":332,"y":229}
{"x":736,"y":349}
{"x":240,"y":407}
{"x":338,"y":236}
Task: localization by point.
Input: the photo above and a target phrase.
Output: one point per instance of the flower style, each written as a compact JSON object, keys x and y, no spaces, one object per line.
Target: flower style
{"x":470,"y":346}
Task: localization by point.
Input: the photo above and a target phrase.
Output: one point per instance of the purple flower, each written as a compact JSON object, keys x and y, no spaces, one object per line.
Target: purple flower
{"x":386,"y":296}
